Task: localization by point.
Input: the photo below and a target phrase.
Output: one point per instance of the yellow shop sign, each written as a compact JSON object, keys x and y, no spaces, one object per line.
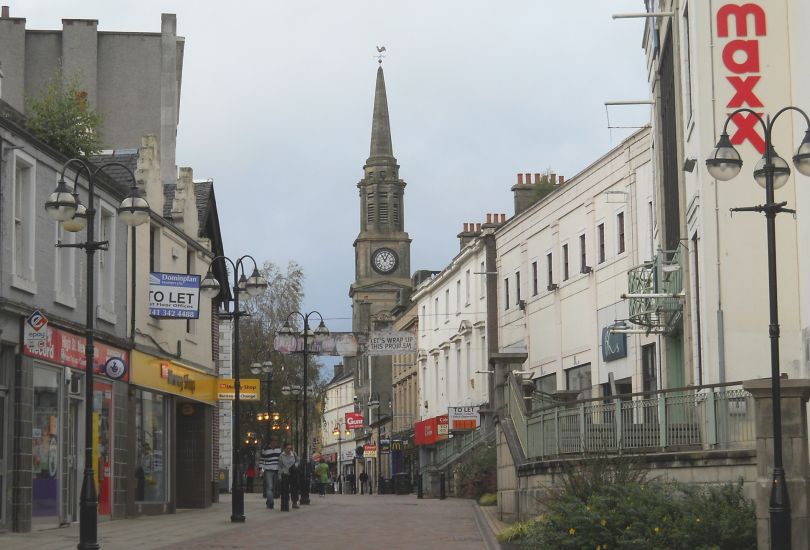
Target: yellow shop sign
{"x":248,"y":389}
{"x":171,"y":377}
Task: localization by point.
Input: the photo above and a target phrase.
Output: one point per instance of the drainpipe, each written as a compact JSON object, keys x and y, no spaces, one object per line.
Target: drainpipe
{"x":721,"y":339}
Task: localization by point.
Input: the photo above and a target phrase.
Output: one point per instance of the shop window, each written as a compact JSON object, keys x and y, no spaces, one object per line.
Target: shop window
{"x":45,"y":456}
{"x":150,"y":447}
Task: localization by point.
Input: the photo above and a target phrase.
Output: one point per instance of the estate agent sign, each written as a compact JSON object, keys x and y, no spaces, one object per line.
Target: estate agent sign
{"x":174,"y":295}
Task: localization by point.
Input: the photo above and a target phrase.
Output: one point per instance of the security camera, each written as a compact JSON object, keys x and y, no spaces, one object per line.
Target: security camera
{"x":355,"y":399}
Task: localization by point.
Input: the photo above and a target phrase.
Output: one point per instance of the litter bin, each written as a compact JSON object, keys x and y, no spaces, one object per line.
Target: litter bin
{"x":402,"y":484}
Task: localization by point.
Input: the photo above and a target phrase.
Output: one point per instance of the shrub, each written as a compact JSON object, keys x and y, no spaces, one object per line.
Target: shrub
{"x":476,"y":473}
{"x":517,"y":530}
{"x":488,"y":499}
{"x":62,"y":118}
{"x":645,"y":516}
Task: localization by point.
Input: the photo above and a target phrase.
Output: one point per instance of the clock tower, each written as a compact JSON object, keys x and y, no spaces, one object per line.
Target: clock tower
{"x":382,"y":248}
{"x":382,"y":264}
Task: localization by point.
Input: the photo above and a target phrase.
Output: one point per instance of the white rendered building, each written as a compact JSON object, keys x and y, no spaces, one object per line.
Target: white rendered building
{"x":562,"y":268}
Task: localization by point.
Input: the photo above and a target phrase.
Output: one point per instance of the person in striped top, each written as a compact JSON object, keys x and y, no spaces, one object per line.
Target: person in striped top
{"x":268,"y":462}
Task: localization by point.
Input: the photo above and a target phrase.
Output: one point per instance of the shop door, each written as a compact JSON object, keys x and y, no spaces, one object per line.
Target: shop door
{"x":102,"y":445}
{"x":45,"y":448}
{"x":191,"y":478}
{"x":74,"y":457}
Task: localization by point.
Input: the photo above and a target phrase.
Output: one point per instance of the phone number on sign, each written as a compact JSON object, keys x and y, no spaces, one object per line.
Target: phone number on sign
{"x":163,"y":312}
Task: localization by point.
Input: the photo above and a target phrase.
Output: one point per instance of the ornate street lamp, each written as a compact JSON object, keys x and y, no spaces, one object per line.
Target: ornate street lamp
{"x":63,"y":205}
{"x":338,"y":434}
{"x":293,"y":391}
{"x":307,"y":334}
{"x":256,"y":285}
{"x":771,"y":172}
{"x":266,"y":368}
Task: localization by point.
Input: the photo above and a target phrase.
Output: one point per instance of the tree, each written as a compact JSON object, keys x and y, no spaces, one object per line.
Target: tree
{"x":265,"y":315}
{"x":63,"y":119}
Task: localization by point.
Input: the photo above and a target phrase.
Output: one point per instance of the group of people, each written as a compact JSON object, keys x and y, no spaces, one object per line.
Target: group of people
{"x":282,"y":474}
{"x":279,"y":467}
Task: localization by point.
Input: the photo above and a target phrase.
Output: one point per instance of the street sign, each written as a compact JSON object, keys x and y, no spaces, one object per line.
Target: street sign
{"x":249,"y":389}
{"x":34,"y":331}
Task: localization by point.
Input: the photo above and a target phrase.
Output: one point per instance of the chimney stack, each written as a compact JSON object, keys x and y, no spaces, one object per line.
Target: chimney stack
{"x":4,"y":14}
{"x":468,"y":234}
{"x":529,"y":193}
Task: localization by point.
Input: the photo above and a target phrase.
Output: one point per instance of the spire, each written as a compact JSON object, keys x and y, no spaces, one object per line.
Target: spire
{"x":382,"y":152}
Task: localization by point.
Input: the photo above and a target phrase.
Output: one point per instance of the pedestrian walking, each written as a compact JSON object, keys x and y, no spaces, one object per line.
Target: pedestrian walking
{"x":250,"y":475}
{"x":363,"y":482}
{"x":351,"y":480}
{"x":322,"y":474}
{"x":288,"y":470}
{"x":268,"y":462}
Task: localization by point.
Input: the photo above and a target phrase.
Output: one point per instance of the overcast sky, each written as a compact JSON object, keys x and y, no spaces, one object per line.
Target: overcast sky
{"x":277,"y":100}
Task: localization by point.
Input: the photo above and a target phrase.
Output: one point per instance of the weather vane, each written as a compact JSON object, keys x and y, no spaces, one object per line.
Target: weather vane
{"x":380,"y":56}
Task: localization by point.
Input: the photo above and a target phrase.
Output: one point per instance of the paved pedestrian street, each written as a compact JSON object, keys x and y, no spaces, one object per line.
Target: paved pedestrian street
{"x":335,"y":521}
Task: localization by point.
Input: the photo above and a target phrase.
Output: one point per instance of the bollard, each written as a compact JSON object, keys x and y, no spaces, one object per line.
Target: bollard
{"x":419,"y":493}
{"x":442,"y":494}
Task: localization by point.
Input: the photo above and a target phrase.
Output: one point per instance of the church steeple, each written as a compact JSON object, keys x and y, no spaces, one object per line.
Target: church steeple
{"x":381,"y":152}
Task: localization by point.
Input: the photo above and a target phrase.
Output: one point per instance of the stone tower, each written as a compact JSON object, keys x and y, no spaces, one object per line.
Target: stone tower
{"x":382,"y":257}
{"x":382,"y":248}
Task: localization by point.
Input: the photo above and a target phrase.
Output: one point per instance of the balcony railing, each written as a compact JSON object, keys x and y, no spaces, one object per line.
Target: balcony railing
{"x":655,"y":292}
{"x":719,"y":416}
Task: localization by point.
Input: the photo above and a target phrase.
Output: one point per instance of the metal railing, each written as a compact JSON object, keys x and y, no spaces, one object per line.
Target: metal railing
{"x":653,"y":286}
{"x":453,"y":448}
{"x":708,"y":417}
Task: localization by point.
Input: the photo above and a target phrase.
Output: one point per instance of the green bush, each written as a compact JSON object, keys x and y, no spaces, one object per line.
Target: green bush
{"x":476,"y":473}
{"x":647,"y":516}
{"x":517,"y":530}
{"x":488,"y":499}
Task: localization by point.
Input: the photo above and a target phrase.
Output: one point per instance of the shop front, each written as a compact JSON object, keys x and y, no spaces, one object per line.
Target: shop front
{"x":56,"y":360}
{"x":172,"y":415}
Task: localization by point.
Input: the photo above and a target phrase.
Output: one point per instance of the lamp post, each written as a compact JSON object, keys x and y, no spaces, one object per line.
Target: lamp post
{"x":64,"y":206}
{"x":321,"y":331}
{"x":254,"y":286}
{"x":293,"y":391}
{"x":337,"y":433}
{"x":374,"y":401}
{"x":266,"y":368}
{"x":771,"y":172}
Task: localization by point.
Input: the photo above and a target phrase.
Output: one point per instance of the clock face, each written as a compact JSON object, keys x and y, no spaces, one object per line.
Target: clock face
{"x":384,"y":260}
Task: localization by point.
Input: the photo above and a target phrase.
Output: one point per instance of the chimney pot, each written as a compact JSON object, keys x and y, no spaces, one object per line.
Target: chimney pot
{"x":465,"y":228}
{"x":553,"y":178}
{"x":537,"y":178}
{"x":4,"y":13}
{"x":528,"y":178}
{"x":478,"y":228}
{"x":562,"y":180}
{"x":489,"y":218}
{"x":520,"y":179}
{"x":503,"y":218}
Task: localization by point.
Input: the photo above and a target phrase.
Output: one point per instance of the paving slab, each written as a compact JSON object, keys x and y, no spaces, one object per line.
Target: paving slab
{"x":395,"y":522}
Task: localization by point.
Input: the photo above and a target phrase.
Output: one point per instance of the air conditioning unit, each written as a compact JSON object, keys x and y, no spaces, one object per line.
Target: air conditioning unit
{"x":586,"y":269}
{"x":552,"y":287}
{"x":521,"y":305}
